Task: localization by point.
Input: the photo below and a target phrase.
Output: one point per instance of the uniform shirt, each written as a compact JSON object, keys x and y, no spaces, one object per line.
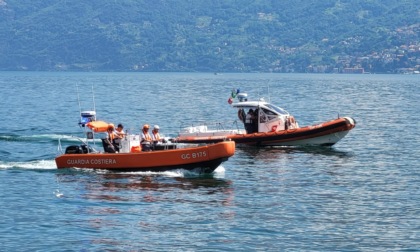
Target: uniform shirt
{"x":155,"y":136}
{"x":145,"y":137}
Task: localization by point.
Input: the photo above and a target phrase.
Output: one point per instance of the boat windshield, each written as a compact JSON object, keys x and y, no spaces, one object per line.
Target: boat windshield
{"x":277,"y":109}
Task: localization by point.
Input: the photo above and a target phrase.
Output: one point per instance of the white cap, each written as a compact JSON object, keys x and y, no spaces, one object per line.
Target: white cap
{"x":156,"y":127}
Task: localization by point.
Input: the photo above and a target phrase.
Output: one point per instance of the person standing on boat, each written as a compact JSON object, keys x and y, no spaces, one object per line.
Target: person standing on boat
{"x":241,"y":115}
{"x":119,"y":134}
{"x":249,"y":121}
{"x":109,"y":141}
{"x":255,"y":120}
{"x":146,"y":139}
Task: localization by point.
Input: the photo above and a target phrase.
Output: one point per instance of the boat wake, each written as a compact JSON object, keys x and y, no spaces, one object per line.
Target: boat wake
{"x":32,"y":165}
{"x":40,"y":138}
{"x":219,"y":172}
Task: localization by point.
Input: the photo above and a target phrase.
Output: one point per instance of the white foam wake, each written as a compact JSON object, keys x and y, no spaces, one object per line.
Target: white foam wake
{"x":37,"y":164}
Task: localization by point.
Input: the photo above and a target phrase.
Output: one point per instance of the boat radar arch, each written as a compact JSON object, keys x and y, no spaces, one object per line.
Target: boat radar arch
{"x":86,"y":117}
{"x":242,"y":97}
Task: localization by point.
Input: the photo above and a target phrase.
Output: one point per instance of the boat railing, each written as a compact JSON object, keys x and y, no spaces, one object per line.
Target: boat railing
{"x":215,"y":126}
{"x":59,"y":147}
{"x":86,"y":143}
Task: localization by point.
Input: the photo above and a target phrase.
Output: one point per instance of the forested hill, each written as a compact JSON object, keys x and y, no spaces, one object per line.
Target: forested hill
{"x":210,"y":35}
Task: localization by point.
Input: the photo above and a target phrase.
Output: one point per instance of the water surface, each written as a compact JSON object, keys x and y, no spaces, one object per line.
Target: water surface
{"x":360,"y":195}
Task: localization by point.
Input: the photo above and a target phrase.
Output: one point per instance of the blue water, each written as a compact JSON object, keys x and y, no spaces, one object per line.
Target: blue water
{"x":361,"y":195}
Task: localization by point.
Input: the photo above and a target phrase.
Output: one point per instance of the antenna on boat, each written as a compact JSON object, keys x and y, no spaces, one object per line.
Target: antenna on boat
{"x":93,"y":97}
{"x":78,"y":98}
{"x":269,"y":95}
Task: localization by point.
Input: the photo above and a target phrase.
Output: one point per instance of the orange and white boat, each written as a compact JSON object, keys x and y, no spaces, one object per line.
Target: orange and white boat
{"x":269,"y":125}
{"x":200,"y":158}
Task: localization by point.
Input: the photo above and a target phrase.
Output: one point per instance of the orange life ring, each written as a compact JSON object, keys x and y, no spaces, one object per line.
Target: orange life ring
{"x":274,"y":128}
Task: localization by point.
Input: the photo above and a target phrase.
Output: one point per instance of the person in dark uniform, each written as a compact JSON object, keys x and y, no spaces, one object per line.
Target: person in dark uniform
{"x":255,"y":121}
{"x":249,"y":122}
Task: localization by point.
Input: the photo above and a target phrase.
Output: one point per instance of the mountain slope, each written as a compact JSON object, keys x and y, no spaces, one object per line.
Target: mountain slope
{"x":214,"y":35}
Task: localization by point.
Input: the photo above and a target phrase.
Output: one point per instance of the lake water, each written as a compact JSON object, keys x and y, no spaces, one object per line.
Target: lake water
{"x":363,"y":194}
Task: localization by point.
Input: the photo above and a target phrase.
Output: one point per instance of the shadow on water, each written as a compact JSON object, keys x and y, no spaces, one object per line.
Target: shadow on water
{"x":270,"y":152}
{"x":115,"y":186}
{"x":137,"y":197}
{"x":157,"y":183}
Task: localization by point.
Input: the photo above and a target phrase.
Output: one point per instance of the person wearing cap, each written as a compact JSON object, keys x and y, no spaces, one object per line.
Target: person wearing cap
{"x":146,"y":139}
{"x":155,"y":135}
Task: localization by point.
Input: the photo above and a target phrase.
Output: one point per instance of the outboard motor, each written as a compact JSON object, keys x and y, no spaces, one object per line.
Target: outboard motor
{"x":79,"y":149}
{"x":74,"y":149}
{"x":87,"y":149}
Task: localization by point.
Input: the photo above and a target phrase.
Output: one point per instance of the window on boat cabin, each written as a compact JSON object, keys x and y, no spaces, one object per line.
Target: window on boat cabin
{"x":267,"y":115}
{"x":277,"y":109}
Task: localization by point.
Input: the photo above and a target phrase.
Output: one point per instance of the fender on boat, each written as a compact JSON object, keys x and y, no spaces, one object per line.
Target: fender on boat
{"x":351,"y":121}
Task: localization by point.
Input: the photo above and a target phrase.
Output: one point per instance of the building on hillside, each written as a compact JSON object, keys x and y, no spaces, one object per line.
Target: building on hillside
{"x":353,"y":70}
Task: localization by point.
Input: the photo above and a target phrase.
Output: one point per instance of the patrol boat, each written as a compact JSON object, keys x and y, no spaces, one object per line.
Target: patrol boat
{"x":169,"y":156}
{"x":268,"y":125}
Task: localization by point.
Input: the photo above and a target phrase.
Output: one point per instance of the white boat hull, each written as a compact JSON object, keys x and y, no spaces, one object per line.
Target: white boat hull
{"x":326,"y":140}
